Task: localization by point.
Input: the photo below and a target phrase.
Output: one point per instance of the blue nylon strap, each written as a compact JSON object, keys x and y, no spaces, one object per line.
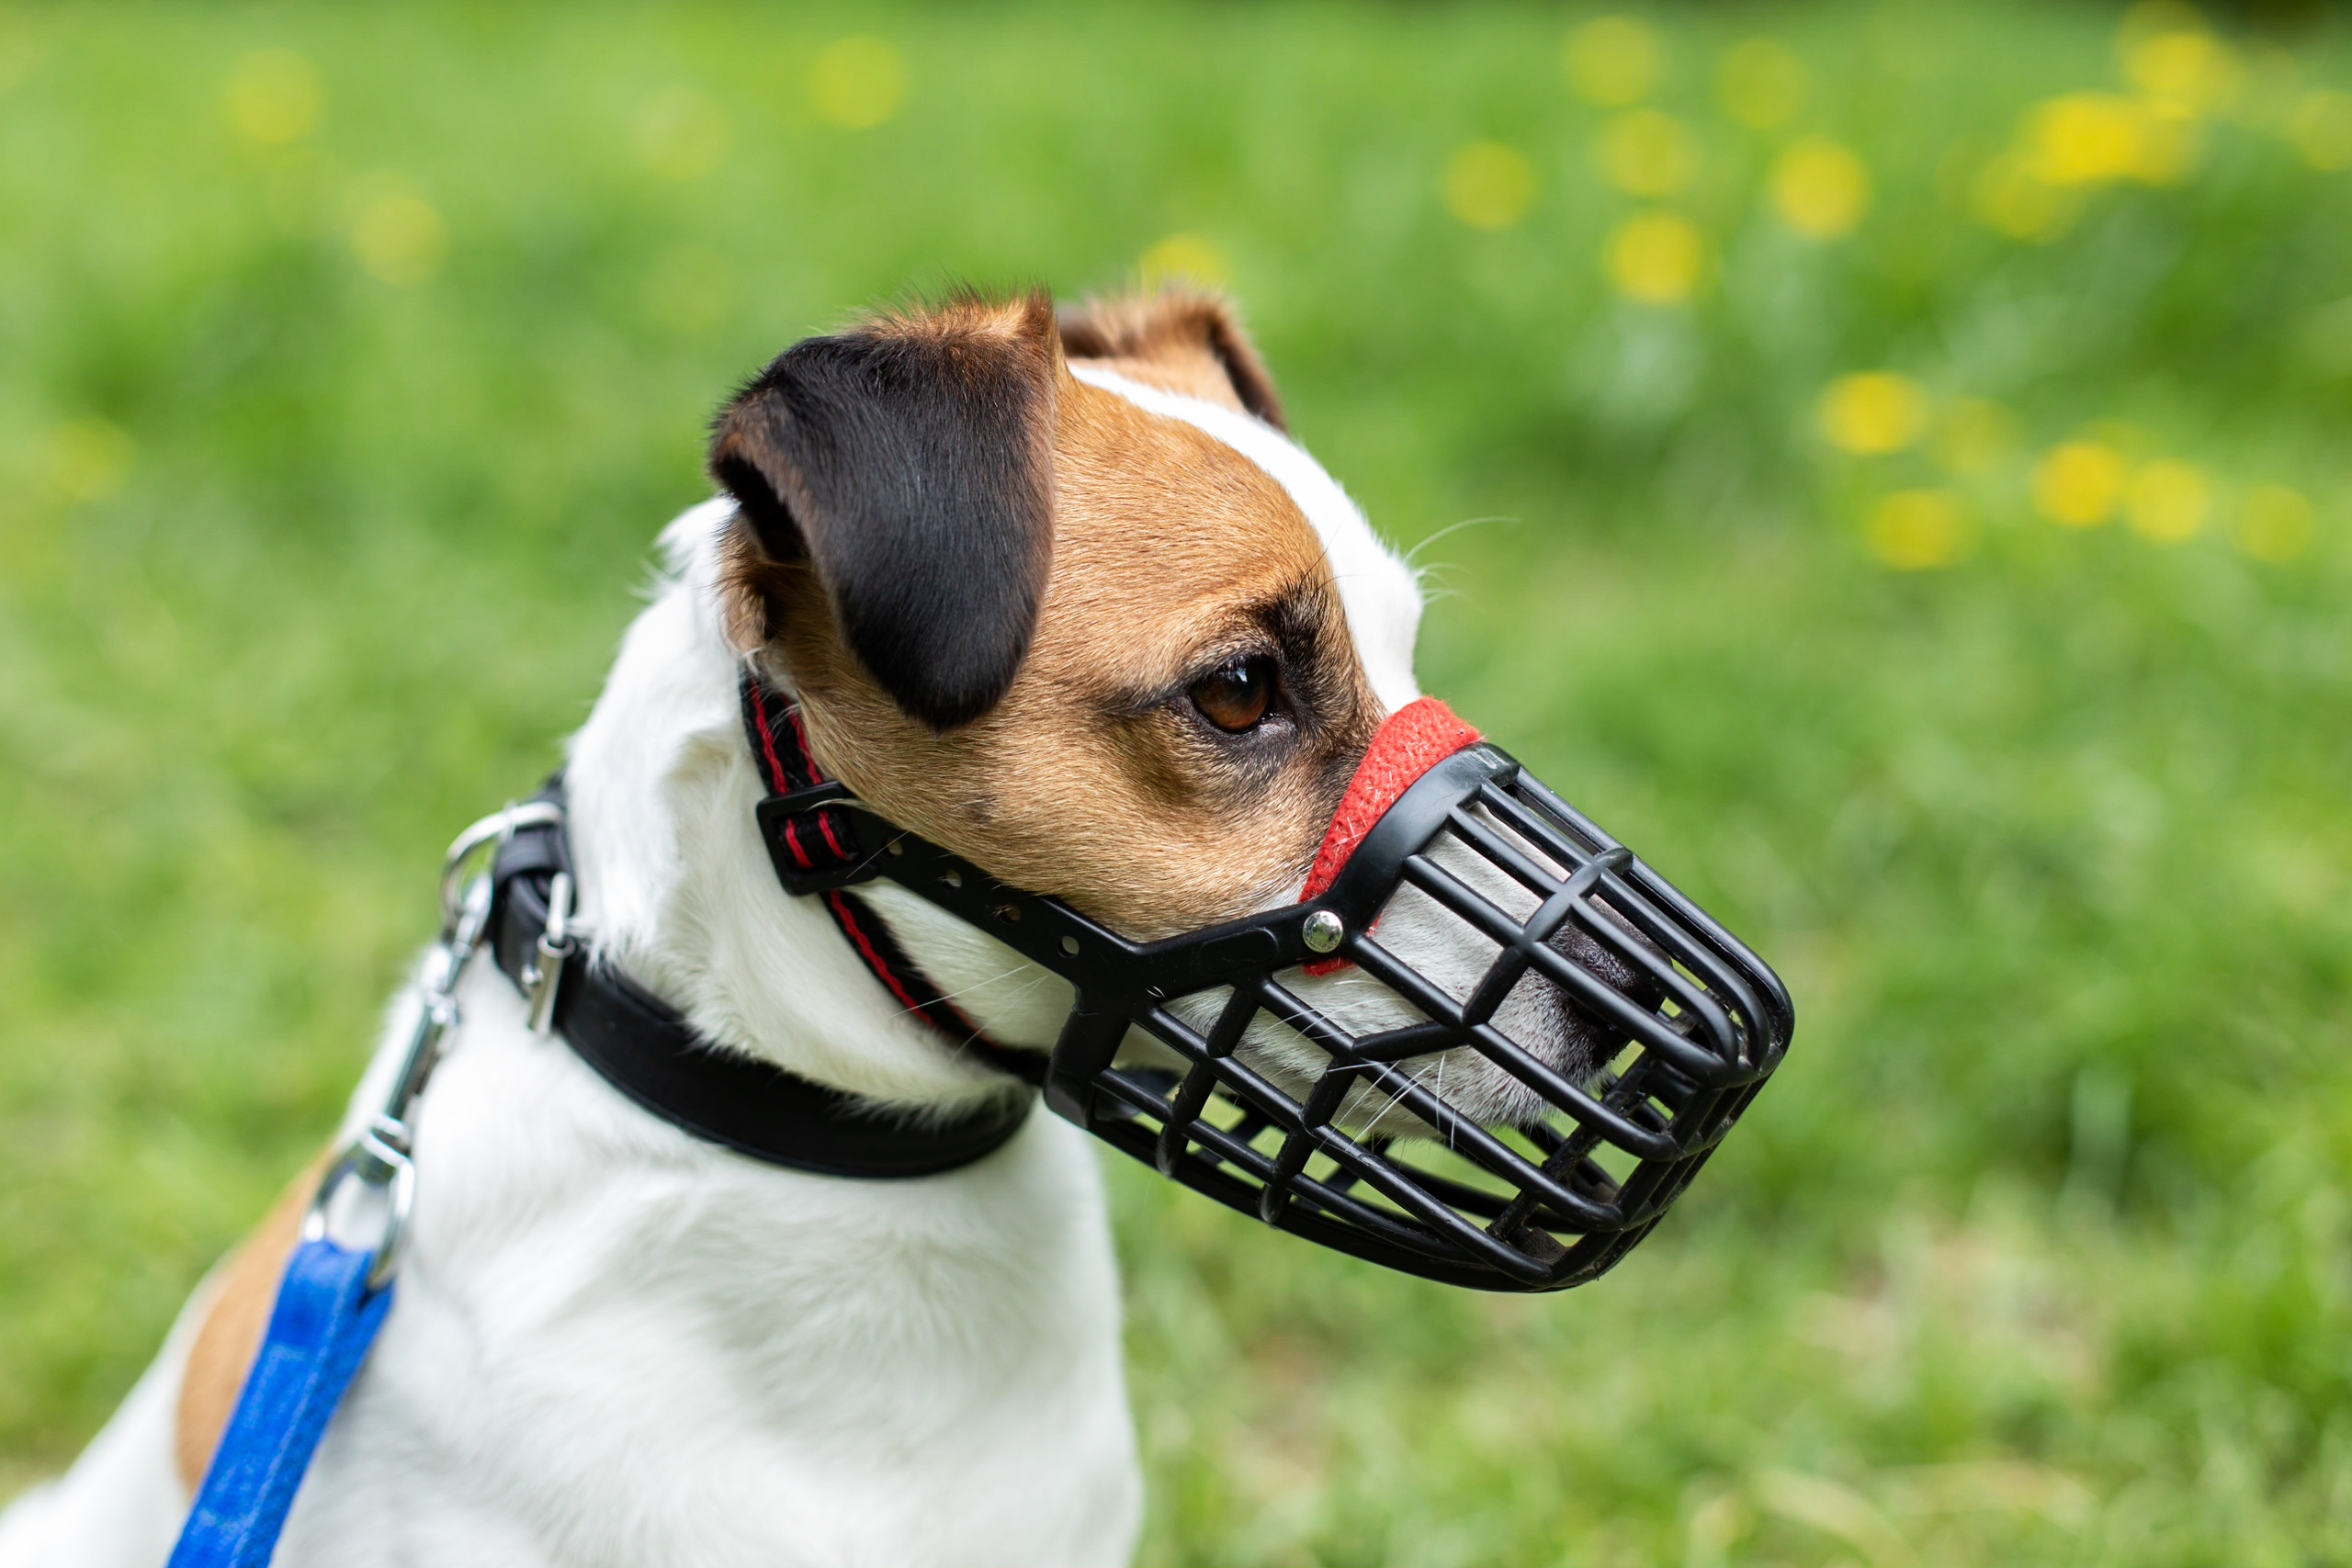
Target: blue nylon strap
{"x":319,"y":1332}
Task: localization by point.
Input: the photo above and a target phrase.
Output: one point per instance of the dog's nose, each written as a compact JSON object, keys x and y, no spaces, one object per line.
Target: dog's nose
{"x":1591,"y":1041}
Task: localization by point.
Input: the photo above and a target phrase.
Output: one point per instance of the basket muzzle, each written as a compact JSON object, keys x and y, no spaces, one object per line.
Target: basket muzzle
{"x":1488,"y":1047}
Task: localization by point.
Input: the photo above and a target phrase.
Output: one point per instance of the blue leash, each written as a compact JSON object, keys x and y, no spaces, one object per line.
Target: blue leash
{"x":337,"y":1289}
{"x":325,"y":1318}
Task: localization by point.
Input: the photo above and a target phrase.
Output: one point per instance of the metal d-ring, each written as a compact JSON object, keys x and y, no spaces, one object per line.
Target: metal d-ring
{"x":496,"y":828}
{"x":377,"y":1158}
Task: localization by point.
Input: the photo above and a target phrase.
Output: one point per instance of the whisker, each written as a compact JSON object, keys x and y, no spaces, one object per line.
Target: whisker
{"x":978,"y":985}
{"x":1413,"y":554}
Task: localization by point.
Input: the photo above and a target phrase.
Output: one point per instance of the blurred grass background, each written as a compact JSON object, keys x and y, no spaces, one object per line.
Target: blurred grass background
{"x":1918,"y":515}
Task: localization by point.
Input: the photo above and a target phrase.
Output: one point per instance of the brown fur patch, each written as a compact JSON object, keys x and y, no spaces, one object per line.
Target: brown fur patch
{"x":225,"y":1346}
{"x":1092,"y":779}
{"x":1179,"y":340}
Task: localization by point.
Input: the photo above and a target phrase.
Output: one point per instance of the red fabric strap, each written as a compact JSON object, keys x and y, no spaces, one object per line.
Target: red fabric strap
{"x":1416,"y":738}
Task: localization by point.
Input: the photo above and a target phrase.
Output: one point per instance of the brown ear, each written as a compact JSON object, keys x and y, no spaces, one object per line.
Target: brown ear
{"x":1180,"y":339}
{"x":909,"y":461}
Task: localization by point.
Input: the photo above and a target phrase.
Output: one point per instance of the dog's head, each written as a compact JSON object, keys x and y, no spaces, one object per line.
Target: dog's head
{"x":1062,"y":596}
{"x":1047,"y":600}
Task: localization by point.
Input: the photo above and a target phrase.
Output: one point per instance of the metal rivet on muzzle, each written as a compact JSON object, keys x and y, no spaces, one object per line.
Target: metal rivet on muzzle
{"x":1324,"y":931}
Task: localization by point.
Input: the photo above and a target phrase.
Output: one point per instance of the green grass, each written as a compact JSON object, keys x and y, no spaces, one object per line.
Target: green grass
{"x":2039,"y":1250}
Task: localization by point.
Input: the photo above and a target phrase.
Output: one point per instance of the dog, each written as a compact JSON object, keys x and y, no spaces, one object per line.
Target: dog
{"x":1056,"y":593}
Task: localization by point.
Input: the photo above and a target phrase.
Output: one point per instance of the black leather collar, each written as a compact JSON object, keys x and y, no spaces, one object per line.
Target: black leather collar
{"x":643,"y":1047}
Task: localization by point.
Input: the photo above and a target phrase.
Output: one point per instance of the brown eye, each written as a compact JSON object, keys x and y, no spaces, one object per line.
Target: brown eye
{"x":1237,"y":697}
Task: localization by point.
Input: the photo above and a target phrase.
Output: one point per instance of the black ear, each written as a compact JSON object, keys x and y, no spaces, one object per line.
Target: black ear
{"x":910,"y":462}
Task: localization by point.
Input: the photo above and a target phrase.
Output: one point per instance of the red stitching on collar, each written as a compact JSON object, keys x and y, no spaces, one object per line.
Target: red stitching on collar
{"x":940,"y":1012}
{"x":825,"y":826}
{"x":872,"y":960}
{"x":768,"y":740}
{"x":800,"y":734}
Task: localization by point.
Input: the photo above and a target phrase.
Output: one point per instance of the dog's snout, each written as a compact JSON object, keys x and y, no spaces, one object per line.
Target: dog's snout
{"x":1590,"y":1040}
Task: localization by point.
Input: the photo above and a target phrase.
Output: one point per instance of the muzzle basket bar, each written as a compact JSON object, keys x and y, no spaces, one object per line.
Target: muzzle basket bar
{"x":1209,"y":1089}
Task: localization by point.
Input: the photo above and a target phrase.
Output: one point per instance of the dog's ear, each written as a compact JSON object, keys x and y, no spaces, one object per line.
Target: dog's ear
{"x":1183,"y":339}
{"x":909,"y":461}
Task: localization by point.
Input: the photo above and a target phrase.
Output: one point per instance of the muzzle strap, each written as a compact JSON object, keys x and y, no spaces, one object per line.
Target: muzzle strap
{"x":809,"y":831}
{"x":816,"y":851}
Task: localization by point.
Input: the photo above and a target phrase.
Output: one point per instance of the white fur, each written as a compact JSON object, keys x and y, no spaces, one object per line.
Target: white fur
{"x":616,"y":1344}
{"x":1376,"y":591}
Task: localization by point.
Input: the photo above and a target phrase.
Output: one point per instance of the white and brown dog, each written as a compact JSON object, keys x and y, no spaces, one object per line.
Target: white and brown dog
{"x":1061,"y":596}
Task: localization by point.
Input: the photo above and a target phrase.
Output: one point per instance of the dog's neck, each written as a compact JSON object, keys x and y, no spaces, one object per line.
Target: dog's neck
{"x":676,"y":887}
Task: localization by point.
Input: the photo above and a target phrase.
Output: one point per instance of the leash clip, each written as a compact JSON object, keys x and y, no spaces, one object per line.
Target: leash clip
{"x":364,"y":1199}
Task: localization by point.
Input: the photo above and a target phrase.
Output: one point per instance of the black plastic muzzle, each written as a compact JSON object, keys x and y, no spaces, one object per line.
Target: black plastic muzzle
{"x":1215,"y":1058}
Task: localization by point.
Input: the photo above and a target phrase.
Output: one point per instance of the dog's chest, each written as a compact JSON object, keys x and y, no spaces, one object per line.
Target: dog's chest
{"x":616,"y":1344}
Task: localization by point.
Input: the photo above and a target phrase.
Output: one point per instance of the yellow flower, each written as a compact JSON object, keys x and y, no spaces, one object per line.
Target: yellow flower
{"x":274,"y":96}
{"x":858,"y":82}
{"x":1646,"y":152}
{"x":1613,"y":61}
{"x":1972,"y":435}
{"x":2086,"y":139}
{"x":1873,"y":411}
{"x":1917,"y":530}
{"x":1489,"y":186}
{"x":2167,"y":501}
{"x":398,"y":238}
{"x":2321,"y":128}
{"x":1657,"y":257}
{"x":2078,"y":483}
{"x":1760,"y":84}
{"x":1185,"y":258}
{"x":1820,"y":189}
{"x":89,"y":458}
{"x":2275,"y":523}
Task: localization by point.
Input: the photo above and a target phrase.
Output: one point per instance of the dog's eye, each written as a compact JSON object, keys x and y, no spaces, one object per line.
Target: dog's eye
{"x":1237,"y":697}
